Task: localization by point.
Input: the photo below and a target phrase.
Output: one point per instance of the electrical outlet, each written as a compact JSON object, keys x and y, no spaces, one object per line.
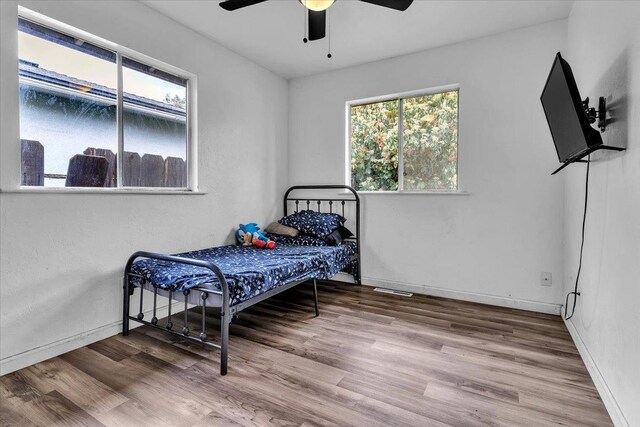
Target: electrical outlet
{"x":545,"y":278}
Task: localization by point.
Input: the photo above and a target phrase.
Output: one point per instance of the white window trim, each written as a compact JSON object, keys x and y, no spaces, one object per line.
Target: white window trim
{"x":191,"y":127}
{"x":102,"y":190}
{"x":401,"y":96}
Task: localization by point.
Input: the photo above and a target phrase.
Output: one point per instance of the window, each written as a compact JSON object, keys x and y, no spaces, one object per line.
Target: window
{"x":94,"y":115}
{"x":405,"y":143}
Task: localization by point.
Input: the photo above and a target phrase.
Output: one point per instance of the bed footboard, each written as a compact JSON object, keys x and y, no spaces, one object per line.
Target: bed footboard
{"x":225,"y":311}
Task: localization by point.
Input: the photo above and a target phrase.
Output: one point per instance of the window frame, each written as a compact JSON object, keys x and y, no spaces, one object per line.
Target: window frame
{"x":191,"y":162}
{"x":400,"y":97}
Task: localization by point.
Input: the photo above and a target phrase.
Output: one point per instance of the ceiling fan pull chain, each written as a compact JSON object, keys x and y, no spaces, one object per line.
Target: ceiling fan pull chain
{"x":306,"y":18}
{"x":329,"y":32}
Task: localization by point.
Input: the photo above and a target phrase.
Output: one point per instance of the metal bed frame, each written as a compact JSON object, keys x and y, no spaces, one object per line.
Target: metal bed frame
{"x":211,"y":297}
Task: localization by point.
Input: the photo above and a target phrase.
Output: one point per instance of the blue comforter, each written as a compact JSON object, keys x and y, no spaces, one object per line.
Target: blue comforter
{"x":248,"y":271}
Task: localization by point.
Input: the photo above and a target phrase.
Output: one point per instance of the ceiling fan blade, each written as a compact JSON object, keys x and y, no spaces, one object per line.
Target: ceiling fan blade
{"x":317,"y":24}
{"x":392,"y":4}
{"x":237,"y":4}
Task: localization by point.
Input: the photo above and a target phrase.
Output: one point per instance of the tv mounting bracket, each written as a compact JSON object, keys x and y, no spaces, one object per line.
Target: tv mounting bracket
{"x":601,"y":114}
{"x":592,"y":115}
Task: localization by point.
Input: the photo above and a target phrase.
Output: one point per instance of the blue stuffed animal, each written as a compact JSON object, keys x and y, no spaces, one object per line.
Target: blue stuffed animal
{"x":244,"y":235}
{"x":250,"y":234}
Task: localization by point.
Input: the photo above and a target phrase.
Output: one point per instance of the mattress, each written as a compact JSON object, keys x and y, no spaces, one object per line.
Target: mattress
{"x":248,"y":271}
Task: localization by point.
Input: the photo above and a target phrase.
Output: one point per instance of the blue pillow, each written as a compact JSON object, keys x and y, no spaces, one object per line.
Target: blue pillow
{"x":319,"y":224}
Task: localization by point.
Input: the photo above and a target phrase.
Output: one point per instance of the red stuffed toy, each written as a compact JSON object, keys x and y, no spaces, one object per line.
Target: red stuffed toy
{"x":260,"y":240}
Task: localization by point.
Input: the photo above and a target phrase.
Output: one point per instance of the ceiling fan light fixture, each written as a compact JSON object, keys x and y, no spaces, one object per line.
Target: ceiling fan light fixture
{"x":317,"y":5}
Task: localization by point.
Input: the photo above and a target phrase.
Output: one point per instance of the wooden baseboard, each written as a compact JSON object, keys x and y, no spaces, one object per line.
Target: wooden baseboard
{"x":615,"y":412}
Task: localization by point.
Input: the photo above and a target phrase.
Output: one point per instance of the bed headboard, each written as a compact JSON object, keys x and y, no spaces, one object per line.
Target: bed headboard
{"x":300,"y":197}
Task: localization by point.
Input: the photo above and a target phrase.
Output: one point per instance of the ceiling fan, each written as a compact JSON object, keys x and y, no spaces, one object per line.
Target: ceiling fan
{"x":317,"y":11}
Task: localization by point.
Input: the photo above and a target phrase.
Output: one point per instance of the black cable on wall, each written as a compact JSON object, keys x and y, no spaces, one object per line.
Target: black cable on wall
{"x":575,"y":292}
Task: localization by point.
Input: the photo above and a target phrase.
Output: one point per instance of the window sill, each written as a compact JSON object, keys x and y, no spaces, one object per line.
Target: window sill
{"x":414,"y":193}
{"x":65,"y":190}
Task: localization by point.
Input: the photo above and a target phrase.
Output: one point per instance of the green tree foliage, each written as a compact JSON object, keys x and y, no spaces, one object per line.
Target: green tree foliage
{"x":430,"y":142}
{"x":374,"y":146}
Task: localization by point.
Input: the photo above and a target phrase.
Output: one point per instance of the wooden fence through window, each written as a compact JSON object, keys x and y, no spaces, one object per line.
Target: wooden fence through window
{"x":97,"y":167}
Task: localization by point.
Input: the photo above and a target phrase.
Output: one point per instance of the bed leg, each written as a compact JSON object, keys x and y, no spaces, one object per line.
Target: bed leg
{"x":225,"y":321}
{"x":125,"y":307}
{"x":315,"y":297}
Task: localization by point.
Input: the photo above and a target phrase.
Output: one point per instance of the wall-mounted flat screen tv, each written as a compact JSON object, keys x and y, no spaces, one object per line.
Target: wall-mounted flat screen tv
{"x":572,"y":134}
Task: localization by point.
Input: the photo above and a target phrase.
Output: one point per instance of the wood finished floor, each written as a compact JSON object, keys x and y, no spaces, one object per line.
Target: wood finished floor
{"x":370,"y":359}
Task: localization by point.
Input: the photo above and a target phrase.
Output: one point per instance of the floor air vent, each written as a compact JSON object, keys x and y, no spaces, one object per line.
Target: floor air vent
{"x":394,"y":292}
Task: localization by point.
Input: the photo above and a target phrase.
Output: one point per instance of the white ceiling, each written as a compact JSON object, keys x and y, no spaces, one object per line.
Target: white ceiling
{"x":270,"y":33}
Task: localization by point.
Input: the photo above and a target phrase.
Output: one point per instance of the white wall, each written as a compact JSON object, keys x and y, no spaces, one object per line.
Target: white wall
{"x":62,"y":255}
{"x":604,"y":52}
{"x":492,"y":244}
